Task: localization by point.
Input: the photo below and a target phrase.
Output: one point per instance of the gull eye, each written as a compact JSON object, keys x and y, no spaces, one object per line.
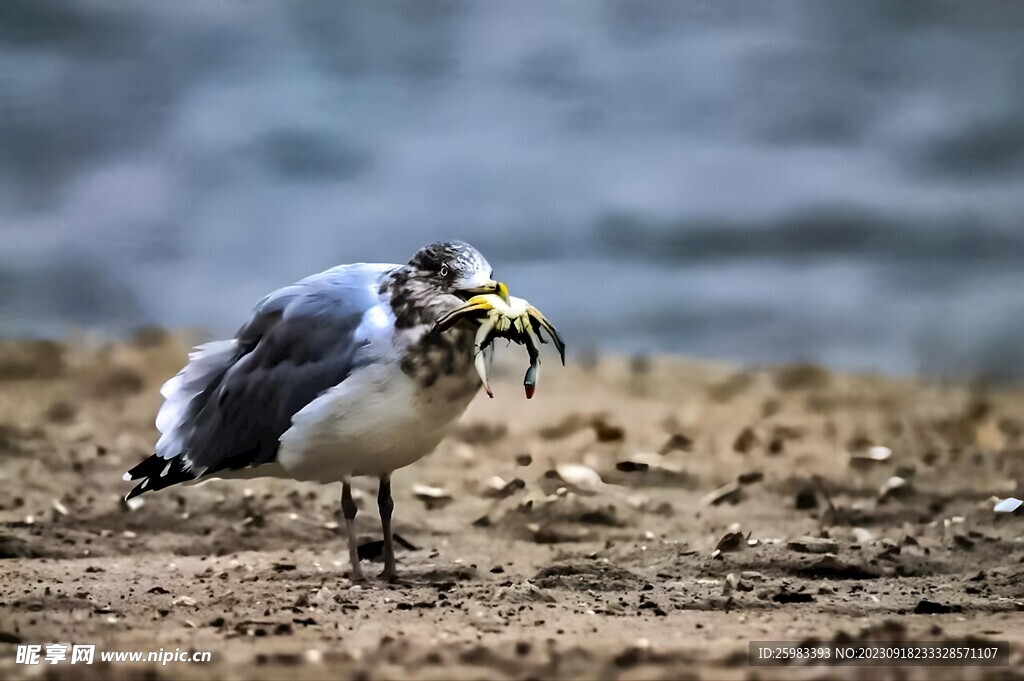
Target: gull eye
{"x":444,"y":270}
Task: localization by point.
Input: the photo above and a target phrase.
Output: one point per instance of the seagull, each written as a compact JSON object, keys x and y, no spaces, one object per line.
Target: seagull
{"x":333,"y":377}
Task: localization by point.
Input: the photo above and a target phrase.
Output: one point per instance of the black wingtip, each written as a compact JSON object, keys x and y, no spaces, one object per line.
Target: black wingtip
{"x":156,"y":473}
{"x":137,"y":490}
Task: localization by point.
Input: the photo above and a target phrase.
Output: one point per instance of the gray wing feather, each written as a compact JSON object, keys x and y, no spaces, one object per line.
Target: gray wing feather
{"x":301,"y":341}
{"x":229,"y":406}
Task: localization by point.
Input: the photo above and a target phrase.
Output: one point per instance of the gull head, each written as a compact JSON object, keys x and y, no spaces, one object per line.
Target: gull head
{"x":458,"y":269}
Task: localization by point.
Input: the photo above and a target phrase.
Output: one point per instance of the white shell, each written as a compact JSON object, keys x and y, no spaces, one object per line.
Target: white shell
{"x":578,"y":475}
{"x":1008,"y":505}
{"x":879,"y":453}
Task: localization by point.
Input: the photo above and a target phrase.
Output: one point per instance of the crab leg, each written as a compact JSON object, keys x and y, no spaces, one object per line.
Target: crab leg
{"x":480,"y":361}
{"x":530,"y":381}
{"x":539,"y":321}
{"x":449,"y":320}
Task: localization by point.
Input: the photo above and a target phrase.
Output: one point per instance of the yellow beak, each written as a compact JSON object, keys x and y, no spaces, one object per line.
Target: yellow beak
{"x":495,"y":287}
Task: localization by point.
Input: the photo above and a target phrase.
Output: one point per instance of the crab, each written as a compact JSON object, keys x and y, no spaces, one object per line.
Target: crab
{"x":504,"y":316}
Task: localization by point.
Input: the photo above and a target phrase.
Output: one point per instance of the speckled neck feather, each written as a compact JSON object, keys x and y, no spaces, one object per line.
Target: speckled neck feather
{"x":417,"y":303}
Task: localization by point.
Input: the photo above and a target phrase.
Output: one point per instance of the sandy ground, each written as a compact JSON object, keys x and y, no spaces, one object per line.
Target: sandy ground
{"x":643,"y":572}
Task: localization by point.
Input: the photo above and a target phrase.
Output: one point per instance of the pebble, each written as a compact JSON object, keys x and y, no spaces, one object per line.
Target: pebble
{"x":677,"y":442}
{"x":862,"y":536}
{"x":582,"y":478}
{"x":806,"y":498}
{"x":894,"y":487}
{"x":731,"y":541}
{"x":872,"y":456}
{"x":812,"y":545}
{"x":745,"y":441}
{"x":432,"y":497}
{"x":750,"y":477}
{"x":728,"y":493}
{"x":498,"y":488}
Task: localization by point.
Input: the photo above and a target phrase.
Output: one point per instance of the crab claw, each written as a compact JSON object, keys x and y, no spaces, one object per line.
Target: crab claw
{"x":539,"y":321}
{"x":530,"y":382}
{"x":474,"y":304}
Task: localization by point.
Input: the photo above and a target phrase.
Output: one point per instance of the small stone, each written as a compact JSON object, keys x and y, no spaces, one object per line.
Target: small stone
{"x":963,"y":542}
{"x":432,"y":497}
{"x":731,"y":541}
{"x":498,"y":488}
{"x":871,"y":457}
{"x":926,"y":607}
{"x":731,"y":492}
{"x":750,"y":477}
{"x":895,"y":488}
{"x":632,"y":466}
{"x":784,"y":596}
{"x":806,"y":498}
{"x":323,"y":596}
{"x":745,"y":441}
{"x":879,"y":453}
{"x":815,"y":545}
{"x":677,"y":442}
{"x":578,"y":478}
{"x":729,"y":585}
{"x":735,"y":583}
{"x":862,"y":536}
{"x":607,"y":432}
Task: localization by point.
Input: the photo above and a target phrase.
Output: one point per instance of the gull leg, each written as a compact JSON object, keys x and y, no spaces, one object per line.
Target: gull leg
{"x":349,"y":510}
{"x":386,"y":505}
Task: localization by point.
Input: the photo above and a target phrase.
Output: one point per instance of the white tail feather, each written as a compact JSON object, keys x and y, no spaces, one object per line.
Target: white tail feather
{"x":205,"y":363}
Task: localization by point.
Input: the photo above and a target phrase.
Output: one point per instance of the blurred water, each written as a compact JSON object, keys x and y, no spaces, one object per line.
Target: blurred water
{"x":834,"y":182}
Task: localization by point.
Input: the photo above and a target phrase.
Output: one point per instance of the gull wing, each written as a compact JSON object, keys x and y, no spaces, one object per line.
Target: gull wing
{"x":228,"y":408}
